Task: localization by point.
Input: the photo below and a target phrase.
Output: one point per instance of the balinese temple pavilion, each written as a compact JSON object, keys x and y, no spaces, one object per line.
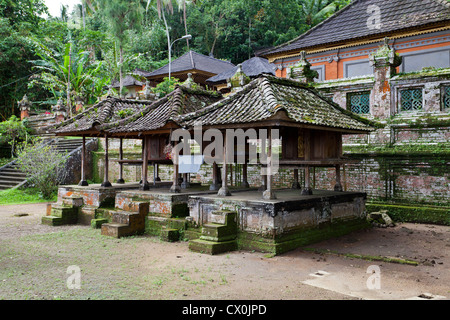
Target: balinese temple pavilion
{"x":303,"y":129}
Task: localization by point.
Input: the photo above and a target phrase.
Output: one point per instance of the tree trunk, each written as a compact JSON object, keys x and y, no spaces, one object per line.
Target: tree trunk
{"x":168,"y":39}
{"x":120,"y":70}
{"x":69,"y":107}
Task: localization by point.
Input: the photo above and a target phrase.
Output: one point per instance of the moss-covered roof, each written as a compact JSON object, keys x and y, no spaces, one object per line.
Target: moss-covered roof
{"x":180,"y":101}
{"x":265,"y":96}
{"x":109,"y":110}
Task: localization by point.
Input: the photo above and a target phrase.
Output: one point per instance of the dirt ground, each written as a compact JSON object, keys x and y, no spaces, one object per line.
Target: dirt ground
{"x":34,"y":262}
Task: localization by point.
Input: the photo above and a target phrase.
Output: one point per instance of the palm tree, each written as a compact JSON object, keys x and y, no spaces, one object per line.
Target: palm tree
{"x":317,"y":10}
{"x":121,"y":15}
{"x":182,"y":6}
{"x":161,"y":7}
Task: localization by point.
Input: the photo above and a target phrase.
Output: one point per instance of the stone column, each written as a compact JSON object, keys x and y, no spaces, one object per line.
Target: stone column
{"x":83,"y":181}
{"x":120,"y":180}
{"x":385,"y":62}
{"x":60,"y":111}
{"x":106,"y":182}
{"x":24,"y":106}
{"x":302,"y":70}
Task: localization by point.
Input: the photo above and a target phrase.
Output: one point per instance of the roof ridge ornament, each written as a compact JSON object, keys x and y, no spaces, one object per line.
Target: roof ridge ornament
{"x":238,"y":80}
{"x":302,"y":70}
{"x":189,"y":83}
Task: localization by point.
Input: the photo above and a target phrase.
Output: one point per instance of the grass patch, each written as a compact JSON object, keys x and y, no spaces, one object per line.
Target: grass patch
{"x":22,"y":196}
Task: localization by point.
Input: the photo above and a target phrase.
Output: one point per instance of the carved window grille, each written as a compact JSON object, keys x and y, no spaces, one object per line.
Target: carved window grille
{"x":359,"y":102}
{"x":446,"y":97}
{"x":411,"y":99}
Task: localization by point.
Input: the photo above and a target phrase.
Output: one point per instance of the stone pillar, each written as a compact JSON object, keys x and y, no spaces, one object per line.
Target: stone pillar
{"x":83,"y":181}
{"x":24,"y":106}
{"x":302,"y":70}
{"x":189,"y":83}
{"x":106,"y":182}
{"x":384,"y":62}
{"x":79,"y":105}
{"x":60,"y":111}
{"x":238,"y":80}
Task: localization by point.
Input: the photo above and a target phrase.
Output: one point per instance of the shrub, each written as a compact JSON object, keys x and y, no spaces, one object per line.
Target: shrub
{"x":12,"y":131}
{"x":45,"y":166}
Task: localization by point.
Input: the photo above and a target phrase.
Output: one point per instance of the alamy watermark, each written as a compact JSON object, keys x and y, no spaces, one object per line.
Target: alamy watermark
{"x":374,"y":20}
{"x":231,"y":146}
{"x":74,"y":279}
{"x":374,"y":280}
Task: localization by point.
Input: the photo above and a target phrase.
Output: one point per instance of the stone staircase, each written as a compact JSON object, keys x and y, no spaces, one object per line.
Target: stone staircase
{"x":12,"y":177}
{"x":64,"y":213}
{"x":218,"y":236}
{"x":128,"y":222}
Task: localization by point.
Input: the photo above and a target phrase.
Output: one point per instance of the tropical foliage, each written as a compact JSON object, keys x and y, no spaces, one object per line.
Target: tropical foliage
{"x":78,"y":53}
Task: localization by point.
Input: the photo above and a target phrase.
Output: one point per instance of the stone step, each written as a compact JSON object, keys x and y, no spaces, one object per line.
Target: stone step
{"x":212,"y":247}
{"x":218,"y":232}
{"x":52,"y":221}
{"x":13,"y":181}
{"x":16,"y":173}
{"x":125,"y":217}
{"x":97,"y":223}
{"x":169,"y":234}
{"x":67,"y":214}
{"x":219,"y":235}
{"x":116,"y":230}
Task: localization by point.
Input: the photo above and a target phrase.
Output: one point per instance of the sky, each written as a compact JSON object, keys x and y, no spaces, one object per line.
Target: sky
{"x":54,"y":6}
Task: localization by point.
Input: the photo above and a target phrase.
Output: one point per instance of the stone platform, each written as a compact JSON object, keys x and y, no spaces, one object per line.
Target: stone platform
{"x":290,"y":221}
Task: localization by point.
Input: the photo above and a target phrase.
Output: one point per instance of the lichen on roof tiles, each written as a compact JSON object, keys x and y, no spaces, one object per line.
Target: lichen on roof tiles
{"x":263,"y":97}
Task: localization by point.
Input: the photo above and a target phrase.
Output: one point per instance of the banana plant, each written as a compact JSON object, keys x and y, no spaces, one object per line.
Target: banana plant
{"x":68,"y":74}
